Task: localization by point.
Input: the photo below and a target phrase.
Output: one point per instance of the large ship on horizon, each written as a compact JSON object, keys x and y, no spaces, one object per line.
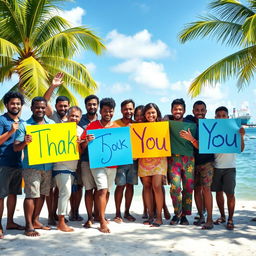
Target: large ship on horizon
{"x":242,"y":114}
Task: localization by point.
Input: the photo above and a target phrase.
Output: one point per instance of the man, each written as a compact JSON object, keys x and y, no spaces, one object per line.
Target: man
{"x":180,"y":171}
{"x":58,"y":116}
{"x":126,"y":175}
{"x":37,"y":178}
{"x":224,"y":177}
{"x":64,"y":173}
{"x":10,"y":161}
{"x":91,"y":104}
{"x":203,"y":171}
{"x":104,"y":177}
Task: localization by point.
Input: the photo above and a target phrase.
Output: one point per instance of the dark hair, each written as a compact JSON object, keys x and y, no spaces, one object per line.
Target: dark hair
{"x":152,"y":105}
{"x":107,"y":102}
{"x":13,"y":95}
{"x":36,"y":99}
{"x":199,"y":102}
{"x":91,"y":97}
{"x":74,"y":108}
{"x":222,"y":108}
{"x":62,"y":98}
{"x":140,"y":107}
{"x":179,"y":102}
{"x":125,"y":102}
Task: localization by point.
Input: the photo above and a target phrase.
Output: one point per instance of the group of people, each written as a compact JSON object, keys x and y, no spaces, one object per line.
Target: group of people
{"x":62,"y":182}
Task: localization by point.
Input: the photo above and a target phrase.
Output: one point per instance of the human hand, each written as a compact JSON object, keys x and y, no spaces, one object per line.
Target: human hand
{"x":15,"y":126}
{"x":242,"y":131}
{"x":28,"y":138}
{"x":57,"y":80}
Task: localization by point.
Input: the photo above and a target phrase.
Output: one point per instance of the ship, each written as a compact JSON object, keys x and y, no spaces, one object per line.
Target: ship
{"x":242,"y":114}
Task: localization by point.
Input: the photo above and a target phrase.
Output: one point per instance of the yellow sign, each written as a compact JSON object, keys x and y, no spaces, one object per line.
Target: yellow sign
{"x":150,"y":139}
{"x":52,"y":143}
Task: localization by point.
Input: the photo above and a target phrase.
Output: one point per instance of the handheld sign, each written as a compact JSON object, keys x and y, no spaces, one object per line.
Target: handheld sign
{"x":150,"y":139}
{"x":52,"y":143}
{"x":111,"y":147}
{"x":179,"y":145}
{"x":219,"y":136}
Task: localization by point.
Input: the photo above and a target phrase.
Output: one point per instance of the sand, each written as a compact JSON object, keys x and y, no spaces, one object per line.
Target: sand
{"x":136,"y":238}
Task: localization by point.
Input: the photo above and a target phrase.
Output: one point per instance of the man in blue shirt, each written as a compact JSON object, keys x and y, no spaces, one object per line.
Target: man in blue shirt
{"x":10,"y":161}
{"x":37,"y":178}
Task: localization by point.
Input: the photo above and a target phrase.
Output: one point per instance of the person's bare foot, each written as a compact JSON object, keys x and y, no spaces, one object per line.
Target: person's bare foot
{"x":88,"y":223}
{"x":13,"y":225}
{"x":129,"y":217}
{"x":104,"y":228}
{"x":118,"y":220}
{"x":52,"y":222}
{"x":31,"y":232}
{"x":38,"y":225}
{"x":64,"y":228}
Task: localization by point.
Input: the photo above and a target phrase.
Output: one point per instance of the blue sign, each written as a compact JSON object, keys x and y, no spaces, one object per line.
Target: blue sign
{"x":111,"y":147}
{"x":219,"y":136}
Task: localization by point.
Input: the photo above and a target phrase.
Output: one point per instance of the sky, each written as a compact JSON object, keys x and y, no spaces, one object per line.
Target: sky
{"x":144,"y":59}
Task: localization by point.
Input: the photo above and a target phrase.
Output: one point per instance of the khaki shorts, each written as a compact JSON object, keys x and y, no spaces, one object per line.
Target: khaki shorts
{"x":87,"y":177}
{"x":37,"y":182}
{"x":104,"y":177}
{"x":204,"y":174}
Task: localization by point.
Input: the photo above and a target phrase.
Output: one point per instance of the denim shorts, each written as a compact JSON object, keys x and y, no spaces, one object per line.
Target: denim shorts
{"x":126,"y":174}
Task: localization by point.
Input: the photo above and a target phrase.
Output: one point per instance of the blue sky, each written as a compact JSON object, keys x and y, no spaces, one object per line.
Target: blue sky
{"x":145,"y":60}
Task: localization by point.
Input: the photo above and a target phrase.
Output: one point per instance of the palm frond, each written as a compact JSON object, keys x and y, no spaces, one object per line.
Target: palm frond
{"x":33,"y":77}
{"x":7,"y":49}
{"x":69,"y":41}
{"x":231,"y":10}
{"x":7,"y":70}
{"x":48,"y":29}
{"x":249,"y":30}
{"x":11,"y":13}
{"x":211,"y":26}
{"x":230,"y":66}
{"x":64,"y":91}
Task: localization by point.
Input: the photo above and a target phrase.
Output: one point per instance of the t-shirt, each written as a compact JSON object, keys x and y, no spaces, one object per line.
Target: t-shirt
{"x":97,"y":125}
{"x":84,"y":122}
{"x":120,"y":123}
{"x":56,"y":117}
{"x":69,"y":165}
{"x":223,"y":161}
{"x":7,"y":155}
{"x":20,"y":135}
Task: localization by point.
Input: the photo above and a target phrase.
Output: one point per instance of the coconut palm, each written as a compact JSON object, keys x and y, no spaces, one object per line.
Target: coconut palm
{"x":233,"y":25}
{"x":36,"y":43}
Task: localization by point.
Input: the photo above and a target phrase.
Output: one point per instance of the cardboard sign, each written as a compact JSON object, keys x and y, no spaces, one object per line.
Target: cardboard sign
{"x":150,"y":139}
{"x":111,"y":147}
{"x":219,"y":136}
{"x":179,"y":145}
{"x":52,"y":143}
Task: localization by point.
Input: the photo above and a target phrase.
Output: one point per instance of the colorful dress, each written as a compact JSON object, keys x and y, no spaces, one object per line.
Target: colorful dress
{"x":152,"y":166}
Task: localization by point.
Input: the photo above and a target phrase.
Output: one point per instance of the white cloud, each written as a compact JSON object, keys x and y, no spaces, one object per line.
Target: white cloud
{"x":212,"y":92}
{"x":74,"y":16}
{"x":150,"y":74}
{"x":180,"y":85}
{"x":91,"y":67}
{"x":164,"y":99}
{"x":139,"y":45}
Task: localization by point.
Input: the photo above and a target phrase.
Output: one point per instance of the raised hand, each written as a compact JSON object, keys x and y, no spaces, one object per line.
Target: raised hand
{"x":57,"y":80}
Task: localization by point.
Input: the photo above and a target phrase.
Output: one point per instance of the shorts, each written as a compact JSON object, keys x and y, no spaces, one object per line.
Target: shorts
{"x":126,"y":174}
{"x":37,"y":182}
{"x":87,"y":178}
{"x":204,"y":174}
{"x":224,"y":180}
{"x":10,"y":181}
{"x":104,"y":177}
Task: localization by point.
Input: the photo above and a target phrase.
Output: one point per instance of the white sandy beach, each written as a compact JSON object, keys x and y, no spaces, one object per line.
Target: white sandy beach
{"x":136,"y":238}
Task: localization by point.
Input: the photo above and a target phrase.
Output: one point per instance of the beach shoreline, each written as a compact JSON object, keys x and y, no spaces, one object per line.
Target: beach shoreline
{"x":135,"y":238}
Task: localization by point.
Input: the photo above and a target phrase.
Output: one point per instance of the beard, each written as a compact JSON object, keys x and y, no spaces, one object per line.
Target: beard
{"x":14,"y":113}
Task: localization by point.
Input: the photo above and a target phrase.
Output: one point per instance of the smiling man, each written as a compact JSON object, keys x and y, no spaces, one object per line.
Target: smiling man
{"x":37,"y":178}
{"x":10,"y":161}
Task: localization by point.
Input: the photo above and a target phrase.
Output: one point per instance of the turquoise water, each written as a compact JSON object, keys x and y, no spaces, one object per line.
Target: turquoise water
{"x":246,"y":169}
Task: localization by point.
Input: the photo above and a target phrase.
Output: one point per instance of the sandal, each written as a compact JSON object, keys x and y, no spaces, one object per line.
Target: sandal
{"x":199,"y":222}
{"x":219,"y":221}
{"x":175,"y":220}
{"x":207,"y":226}
{"x":184,"y":220}
{"x":230,"y":225}
{"x":148,"y":222}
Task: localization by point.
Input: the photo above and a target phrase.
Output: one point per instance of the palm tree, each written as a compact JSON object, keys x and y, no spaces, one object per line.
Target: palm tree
{"x":233,"y":25}
{"x":35,"y":45}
